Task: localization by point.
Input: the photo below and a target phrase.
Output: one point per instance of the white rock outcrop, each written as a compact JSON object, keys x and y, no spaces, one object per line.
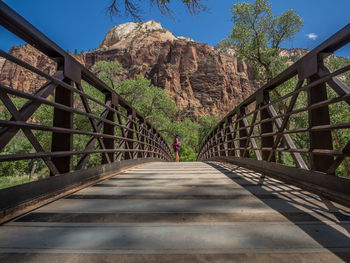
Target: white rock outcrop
{"x":185,"y":38}
{"x":122,"y":34}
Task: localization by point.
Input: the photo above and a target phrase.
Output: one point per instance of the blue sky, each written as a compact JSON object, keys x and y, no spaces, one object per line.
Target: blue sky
{"x":82,"y":24}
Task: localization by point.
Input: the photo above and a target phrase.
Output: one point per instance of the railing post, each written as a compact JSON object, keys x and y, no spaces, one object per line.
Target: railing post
{"x":243,"y":133}
{"x":110,"y":130}
{"x":266,"y":127}
{"x":131,"y":113}
{"x":63,"y":119}
{"x":319,"y":116}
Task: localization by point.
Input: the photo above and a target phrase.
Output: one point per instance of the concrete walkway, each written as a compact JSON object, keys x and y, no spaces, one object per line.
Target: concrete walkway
{"x":182,"y":212}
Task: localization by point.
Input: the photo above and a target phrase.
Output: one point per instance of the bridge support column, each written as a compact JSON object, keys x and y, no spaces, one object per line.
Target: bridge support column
{"x":319,"y":116}
{"x":110,"y":130}
{"x":63,"y":119}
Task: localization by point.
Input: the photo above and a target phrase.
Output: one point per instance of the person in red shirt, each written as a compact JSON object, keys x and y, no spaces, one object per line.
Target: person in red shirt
{"x":176,"y":145}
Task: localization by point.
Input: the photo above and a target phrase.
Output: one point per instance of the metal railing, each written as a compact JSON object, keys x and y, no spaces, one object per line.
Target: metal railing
{"x":119,"y":130}
{"x":295,"y":127}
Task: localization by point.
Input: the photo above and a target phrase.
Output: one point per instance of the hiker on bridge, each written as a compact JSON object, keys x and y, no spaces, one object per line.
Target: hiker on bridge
{"x":176,"y":145}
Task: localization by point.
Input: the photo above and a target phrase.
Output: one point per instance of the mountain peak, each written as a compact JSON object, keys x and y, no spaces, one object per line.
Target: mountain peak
{"x":119,"y":34}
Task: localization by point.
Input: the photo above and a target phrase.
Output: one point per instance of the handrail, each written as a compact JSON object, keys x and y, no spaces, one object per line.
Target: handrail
{"x":120,"y":131}
{"x":260,"y":127}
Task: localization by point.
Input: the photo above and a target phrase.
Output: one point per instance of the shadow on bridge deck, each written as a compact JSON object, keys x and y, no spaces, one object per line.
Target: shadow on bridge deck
{"x":182,"y":212}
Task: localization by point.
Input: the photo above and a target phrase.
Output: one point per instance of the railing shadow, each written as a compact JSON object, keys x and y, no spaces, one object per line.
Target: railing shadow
{"x":305,"y":206}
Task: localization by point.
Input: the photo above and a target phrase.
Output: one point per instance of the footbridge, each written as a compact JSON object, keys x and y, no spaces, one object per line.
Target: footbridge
{"x":271,"y":183}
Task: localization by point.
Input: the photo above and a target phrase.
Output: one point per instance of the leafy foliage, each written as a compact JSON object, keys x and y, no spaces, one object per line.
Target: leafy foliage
{"x":107,"y":71}
{"x":257,"y":35}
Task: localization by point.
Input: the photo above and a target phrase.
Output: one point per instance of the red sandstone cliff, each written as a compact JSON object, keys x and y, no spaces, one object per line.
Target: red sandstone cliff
{"x":21,"y":79}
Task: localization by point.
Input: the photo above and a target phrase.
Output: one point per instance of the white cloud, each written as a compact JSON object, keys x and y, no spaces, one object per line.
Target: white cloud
{"x":312,"y":36}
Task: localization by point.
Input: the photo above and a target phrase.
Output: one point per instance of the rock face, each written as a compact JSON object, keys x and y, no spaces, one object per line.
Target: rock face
{"x":2,"y":62}
{"x":293,"y":55}
{"x":196,"y":76}
{"x":22,"y":79}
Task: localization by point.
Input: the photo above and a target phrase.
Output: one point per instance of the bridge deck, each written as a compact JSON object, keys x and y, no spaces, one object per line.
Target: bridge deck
{"x":176,"y":212}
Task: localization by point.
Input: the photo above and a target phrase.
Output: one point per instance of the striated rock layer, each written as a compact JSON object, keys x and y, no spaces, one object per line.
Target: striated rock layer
{"x":195,"y":75}
{"x":21,"y":79}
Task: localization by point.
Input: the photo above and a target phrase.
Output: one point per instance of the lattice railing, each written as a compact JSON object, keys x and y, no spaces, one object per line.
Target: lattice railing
{"x":301,"y":118}
{"x":72,"y":97}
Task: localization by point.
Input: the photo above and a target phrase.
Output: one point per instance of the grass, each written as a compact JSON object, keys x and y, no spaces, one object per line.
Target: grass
{"x":12,"y":180}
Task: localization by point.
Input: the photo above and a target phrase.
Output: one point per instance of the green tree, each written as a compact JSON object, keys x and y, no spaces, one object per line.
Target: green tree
{"x":257,"y":35}
{"x":107,"y":71}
